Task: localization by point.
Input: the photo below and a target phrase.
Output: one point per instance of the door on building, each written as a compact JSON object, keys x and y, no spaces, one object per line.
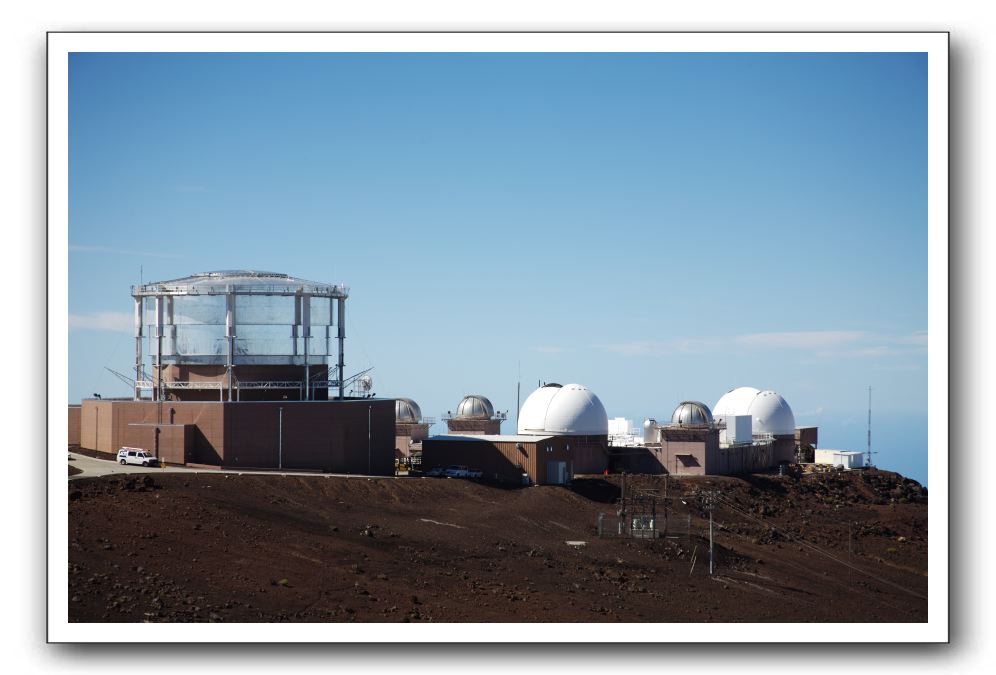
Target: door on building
{"x":556,"y":472}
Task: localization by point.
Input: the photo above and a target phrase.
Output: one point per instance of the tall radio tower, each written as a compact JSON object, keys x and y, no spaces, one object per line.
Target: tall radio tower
{"x":869,"y":462}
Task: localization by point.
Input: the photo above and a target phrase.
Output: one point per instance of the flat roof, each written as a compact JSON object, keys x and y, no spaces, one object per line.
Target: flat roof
{"x":511,"y":438}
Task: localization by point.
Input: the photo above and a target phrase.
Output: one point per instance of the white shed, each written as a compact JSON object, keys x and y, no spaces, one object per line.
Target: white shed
{"x":848,"y":459}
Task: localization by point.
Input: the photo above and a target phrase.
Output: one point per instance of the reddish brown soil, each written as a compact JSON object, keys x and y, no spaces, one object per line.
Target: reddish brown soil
{"x":202,"y":547}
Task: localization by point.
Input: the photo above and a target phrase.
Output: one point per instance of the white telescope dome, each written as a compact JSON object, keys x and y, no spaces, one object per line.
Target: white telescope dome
{"x":734,"y":402}
{"x":571,"y":409}
{"x":770,"y":413}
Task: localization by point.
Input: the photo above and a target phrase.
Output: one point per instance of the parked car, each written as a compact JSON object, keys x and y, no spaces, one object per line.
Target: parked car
{"x":475,"y":473}
{"x":136,"y":456}
{"x":435,"y":472}
{"x":457,"y":471}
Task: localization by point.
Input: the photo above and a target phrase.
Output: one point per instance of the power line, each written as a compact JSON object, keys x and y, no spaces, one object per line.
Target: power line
{"x":819,"y":550}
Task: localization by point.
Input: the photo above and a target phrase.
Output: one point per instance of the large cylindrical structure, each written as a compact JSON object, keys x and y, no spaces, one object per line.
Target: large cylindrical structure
{"x":241,"y":335}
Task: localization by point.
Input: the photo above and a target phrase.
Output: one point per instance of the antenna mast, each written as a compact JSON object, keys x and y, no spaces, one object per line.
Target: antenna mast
{"x":869,"y":426}
{"x":518,"y":396}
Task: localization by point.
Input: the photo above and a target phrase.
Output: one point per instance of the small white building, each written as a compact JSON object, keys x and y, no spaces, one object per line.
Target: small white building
{"x":849,"y":459}
{"x":622,"y":434}
{"x":738,"y":430}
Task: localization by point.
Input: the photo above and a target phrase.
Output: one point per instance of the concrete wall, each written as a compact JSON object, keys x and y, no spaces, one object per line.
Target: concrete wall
{"x":320,"y":435}
{"x":743,"y":458}
{"x":686,"y":451}
{"x":176,"y":441}
{"x":501,"y":460}
{"x":590,"y":453}
{"x":75,"y":417}
{"x":328,"y":436}
{"x":474,"y":427}
{"x":649,"y":459}
{"x":405,"y":434}
{"x":784,"y":449}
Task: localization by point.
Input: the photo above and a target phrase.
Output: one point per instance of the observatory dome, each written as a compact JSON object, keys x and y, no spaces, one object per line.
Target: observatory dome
{"x":570,"y":409}
{"x":770,"y":412}
{"x":691,"y":413}
{"x":475,"y":407}
{"x":772,"y":415}
{"x":734,"y":402}
{"x":407,"y":411}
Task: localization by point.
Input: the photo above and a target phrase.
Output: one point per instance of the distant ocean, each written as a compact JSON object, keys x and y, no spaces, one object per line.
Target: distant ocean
{"x":899,"y":441}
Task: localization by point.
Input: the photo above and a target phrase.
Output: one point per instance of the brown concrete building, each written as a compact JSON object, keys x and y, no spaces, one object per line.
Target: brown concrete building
{"x":349,"y":436}
{"x":696,"y":451}
{"x":242,"y":371}
{"x":547,"y":460}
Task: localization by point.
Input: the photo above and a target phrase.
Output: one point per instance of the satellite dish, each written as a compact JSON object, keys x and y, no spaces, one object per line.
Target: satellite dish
{"x":365,"y":384}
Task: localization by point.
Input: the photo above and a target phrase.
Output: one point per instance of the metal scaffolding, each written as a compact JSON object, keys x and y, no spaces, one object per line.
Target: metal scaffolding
{"x":235,"y":288}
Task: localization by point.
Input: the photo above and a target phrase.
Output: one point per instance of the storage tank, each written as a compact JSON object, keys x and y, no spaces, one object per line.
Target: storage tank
{"x":650,"y":436}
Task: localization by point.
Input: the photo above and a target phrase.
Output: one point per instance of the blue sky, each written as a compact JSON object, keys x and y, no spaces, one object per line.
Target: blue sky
{"x":657,"y":227}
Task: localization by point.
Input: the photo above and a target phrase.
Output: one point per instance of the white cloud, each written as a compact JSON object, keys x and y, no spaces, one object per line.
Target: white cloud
{"x":106,"y":321}
{"x":549,"y":350}
{"x":821,"y":339}
{"x":638,"y":348}
{"x":85,"y":248}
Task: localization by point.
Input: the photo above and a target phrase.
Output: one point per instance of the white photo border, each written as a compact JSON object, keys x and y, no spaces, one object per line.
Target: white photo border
{"x":934,"y":44}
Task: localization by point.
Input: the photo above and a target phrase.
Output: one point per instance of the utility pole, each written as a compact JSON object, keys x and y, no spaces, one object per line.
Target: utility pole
{"x":518,"y":396}
{"x":369,"y":409}
{"x":709,"y":498}
{"x":280,"y":438}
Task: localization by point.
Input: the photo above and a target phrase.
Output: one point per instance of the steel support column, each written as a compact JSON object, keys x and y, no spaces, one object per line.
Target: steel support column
{"x":159,"y":348}
{"x":230,"y":335}
{"x":138,"y":346}
{"x":306,"y":335}
{"x":342,"y":340}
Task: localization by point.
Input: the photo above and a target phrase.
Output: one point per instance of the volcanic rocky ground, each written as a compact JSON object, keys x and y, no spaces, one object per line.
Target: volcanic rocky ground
{"x":216,"y":547}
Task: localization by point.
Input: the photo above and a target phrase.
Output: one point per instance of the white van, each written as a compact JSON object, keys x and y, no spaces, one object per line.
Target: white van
{"x":136,"y":456}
